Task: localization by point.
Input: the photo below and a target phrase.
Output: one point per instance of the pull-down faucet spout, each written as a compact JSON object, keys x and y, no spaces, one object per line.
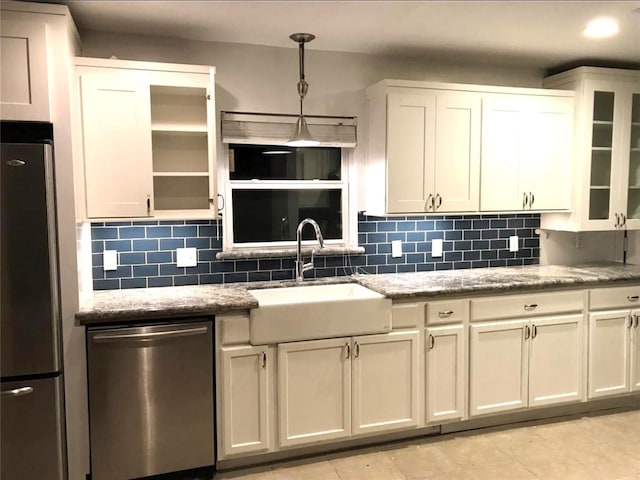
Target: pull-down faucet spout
{"x":302,"y":267}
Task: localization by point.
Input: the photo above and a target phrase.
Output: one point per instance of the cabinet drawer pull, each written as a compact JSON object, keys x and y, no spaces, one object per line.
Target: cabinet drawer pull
{"x":16,"y":392}
{"x":348,"y":345}
{"x":445,"y":313}
{"x":264,"y":359}
{"x":356,"y":350}
{"x":534,"y":331}
{"x":633,"y":298}
{"x":432,"y":342}
{"x":628,"y":322}
{"x":531,"y":306}
{"x":635,"y":320}
{"x":527,"y":332}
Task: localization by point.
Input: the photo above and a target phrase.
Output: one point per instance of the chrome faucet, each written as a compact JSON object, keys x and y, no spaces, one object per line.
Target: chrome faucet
{"x":302,"y":267}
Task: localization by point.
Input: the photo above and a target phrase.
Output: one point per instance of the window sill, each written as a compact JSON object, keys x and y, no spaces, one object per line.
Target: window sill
{"x":286,"y":252}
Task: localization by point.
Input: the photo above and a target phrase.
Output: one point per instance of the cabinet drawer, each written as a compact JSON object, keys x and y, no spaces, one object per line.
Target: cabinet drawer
{"x":616,"y":297}
{"x":447,"y":311}
{"x":234,"y":328}
{"x":533,"y":304}
{"x":407,"y":315}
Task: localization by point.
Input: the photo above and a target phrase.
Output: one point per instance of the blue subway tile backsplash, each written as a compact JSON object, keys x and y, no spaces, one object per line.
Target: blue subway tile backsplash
{"x":147,"y":258}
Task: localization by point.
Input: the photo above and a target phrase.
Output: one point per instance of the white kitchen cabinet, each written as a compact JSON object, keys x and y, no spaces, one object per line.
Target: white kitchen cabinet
{"x":498,"y":359}
{"x":446,"y":393}
{"x":614,"y":341}
{"x":424,"y":148}
{"x":314,"y":391}
{"x":527,"y":362}
{"x":148,"y":139}
{"x":24,"y":70}
{"x":385,"y":381}
{"x":606,"y":150}
{"x":331,"y":389}
{"x":526,"y":152}
{"x":246,"y":408}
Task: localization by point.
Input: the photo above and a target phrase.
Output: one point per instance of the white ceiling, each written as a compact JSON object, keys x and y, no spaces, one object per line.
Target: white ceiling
{"x":541,"y":34}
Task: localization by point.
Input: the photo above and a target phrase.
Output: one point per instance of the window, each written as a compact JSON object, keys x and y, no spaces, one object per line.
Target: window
{"x":270,"y":189}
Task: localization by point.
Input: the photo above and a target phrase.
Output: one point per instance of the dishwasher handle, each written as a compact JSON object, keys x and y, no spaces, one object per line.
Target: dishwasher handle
{"x":143,"y":337}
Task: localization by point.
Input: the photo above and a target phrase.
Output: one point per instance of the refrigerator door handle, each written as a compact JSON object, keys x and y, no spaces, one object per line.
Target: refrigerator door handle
{"x":104,"y":338}
{"x":16,"y":392}
{"x":16,"y":163}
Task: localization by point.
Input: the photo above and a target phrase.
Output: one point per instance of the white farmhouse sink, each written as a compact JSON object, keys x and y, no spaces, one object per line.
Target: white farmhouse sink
{"x":317,"y":311}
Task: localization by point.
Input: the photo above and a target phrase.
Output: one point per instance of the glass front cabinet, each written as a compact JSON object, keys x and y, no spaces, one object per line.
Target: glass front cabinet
{"x":606,"y":192}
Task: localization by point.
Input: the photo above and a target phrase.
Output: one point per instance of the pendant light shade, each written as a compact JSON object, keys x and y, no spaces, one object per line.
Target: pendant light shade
{"x":301,"y":136}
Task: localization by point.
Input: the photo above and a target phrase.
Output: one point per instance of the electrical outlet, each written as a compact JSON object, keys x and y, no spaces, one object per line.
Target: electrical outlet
{"x":109,"y":260}
{"x":436,"y":247}
{"x":186,"y":257}
{"x":396,"y":248}
{"x":513,"y":243}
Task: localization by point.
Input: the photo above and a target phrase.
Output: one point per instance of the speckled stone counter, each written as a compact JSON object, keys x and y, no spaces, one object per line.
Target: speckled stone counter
{"x":499,"y":280}
{"x":114,"y":306}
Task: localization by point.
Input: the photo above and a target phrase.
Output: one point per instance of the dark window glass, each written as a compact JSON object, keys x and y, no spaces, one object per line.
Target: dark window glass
{"x":266,"y":162}
{"x":273,"y":215}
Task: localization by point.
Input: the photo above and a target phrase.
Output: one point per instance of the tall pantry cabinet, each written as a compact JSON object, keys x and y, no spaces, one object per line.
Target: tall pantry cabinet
{"x":148,"y":139}
{"x":606,"y":150}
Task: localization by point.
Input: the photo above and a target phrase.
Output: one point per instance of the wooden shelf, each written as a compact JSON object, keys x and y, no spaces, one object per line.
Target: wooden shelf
{"x":180,"y":174}
{"x":179,"y":129}
{"x":600,"y":187}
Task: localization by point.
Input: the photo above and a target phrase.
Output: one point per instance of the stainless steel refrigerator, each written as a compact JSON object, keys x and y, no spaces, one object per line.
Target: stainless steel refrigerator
{"x":31,"y":400}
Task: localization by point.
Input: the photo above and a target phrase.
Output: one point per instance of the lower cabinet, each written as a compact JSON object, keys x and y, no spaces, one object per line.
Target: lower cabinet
{"x":331,"y":389}
{"x":445,"y":373}
{"x":520,"y":363}
{"x":614,"y":352}
{"x":247,"y":378}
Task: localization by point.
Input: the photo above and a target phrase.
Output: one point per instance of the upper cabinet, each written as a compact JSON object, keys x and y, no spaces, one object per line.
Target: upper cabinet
{"x":30,"y":72}
{"x":442,"y":148}
{"x":607,"y":150}
{"x":148,"y":139}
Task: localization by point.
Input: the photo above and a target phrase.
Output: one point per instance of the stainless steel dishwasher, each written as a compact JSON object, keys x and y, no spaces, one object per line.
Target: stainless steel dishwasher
{"x":150,"y":399}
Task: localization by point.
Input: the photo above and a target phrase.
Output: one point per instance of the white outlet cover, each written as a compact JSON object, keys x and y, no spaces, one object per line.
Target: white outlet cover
{"x":436,"y":247}
{"x":186,"y":257}
{"x":109,"y":260}
{"x":396,"y":248}
{"x":513,"y":243}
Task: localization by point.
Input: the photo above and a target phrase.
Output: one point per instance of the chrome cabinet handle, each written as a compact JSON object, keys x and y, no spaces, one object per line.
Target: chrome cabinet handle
{"x":148,"y":204}
{"x":531,"y":306}
{"x":617,"y":225}
{"x":430,"y":202}
{"x":445,"y":313}
{"x":16,"y":392}
{"x":527,"y":332}
{"x":432,"y":342}
{"x":633,"y":298}
{"x":439,"y":200}
{"x":264,"y":359}
{"x":525,"y":200}
{"x":356,"y":350}
{"x":533,"y":199}
{"x":637,"y":317}
{"x":221,"y":207}
{"x":628,"y":321}
{"x":534,"y":331}
{"x":348,"y":345}
{"x":624,"y":219}
{"x":141,"y":337}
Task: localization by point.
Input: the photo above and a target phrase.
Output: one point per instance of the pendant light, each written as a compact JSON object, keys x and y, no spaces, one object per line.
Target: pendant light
{"x":301,"y":135}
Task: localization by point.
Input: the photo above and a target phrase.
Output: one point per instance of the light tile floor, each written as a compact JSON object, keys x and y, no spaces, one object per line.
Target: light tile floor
{"x":599,"y":446}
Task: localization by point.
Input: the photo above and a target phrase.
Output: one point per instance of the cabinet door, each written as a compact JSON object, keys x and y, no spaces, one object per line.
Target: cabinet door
{"x":498,"y":366}
{"x":116,"y":120}
{"x":23,"y":71}
{"x":556,"y":360}
{"x":609,"y":353}
{"x":247,"y":373}
{"x":410,"y":151}
{"x":314,"y":391}
{"x":631,"y":179}
{"x":445,"y":373}
{"x":503,"y":119}
{"x":546,"y":162}
{"x":385,"y":381}
{"x":635,"y":351}
{"x":457,"y":157}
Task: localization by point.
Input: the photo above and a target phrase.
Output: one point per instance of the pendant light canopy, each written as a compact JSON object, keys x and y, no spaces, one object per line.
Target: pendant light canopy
{"x":301,"y":136}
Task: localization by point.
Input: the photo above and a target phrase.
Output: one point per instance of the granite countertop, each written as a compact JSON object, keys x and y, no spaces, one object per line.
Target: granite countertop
{"x":113,"y":306}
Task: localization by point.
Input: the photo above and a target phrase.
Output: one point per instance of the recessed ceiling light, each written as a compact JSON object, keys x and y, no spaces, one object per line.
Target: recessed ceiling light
{"x":601,"y":28}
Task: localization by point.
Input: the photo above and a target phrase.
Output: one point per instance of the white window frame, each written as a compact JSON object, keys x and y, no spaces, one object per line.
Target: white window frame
{"x":349,"y":215}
